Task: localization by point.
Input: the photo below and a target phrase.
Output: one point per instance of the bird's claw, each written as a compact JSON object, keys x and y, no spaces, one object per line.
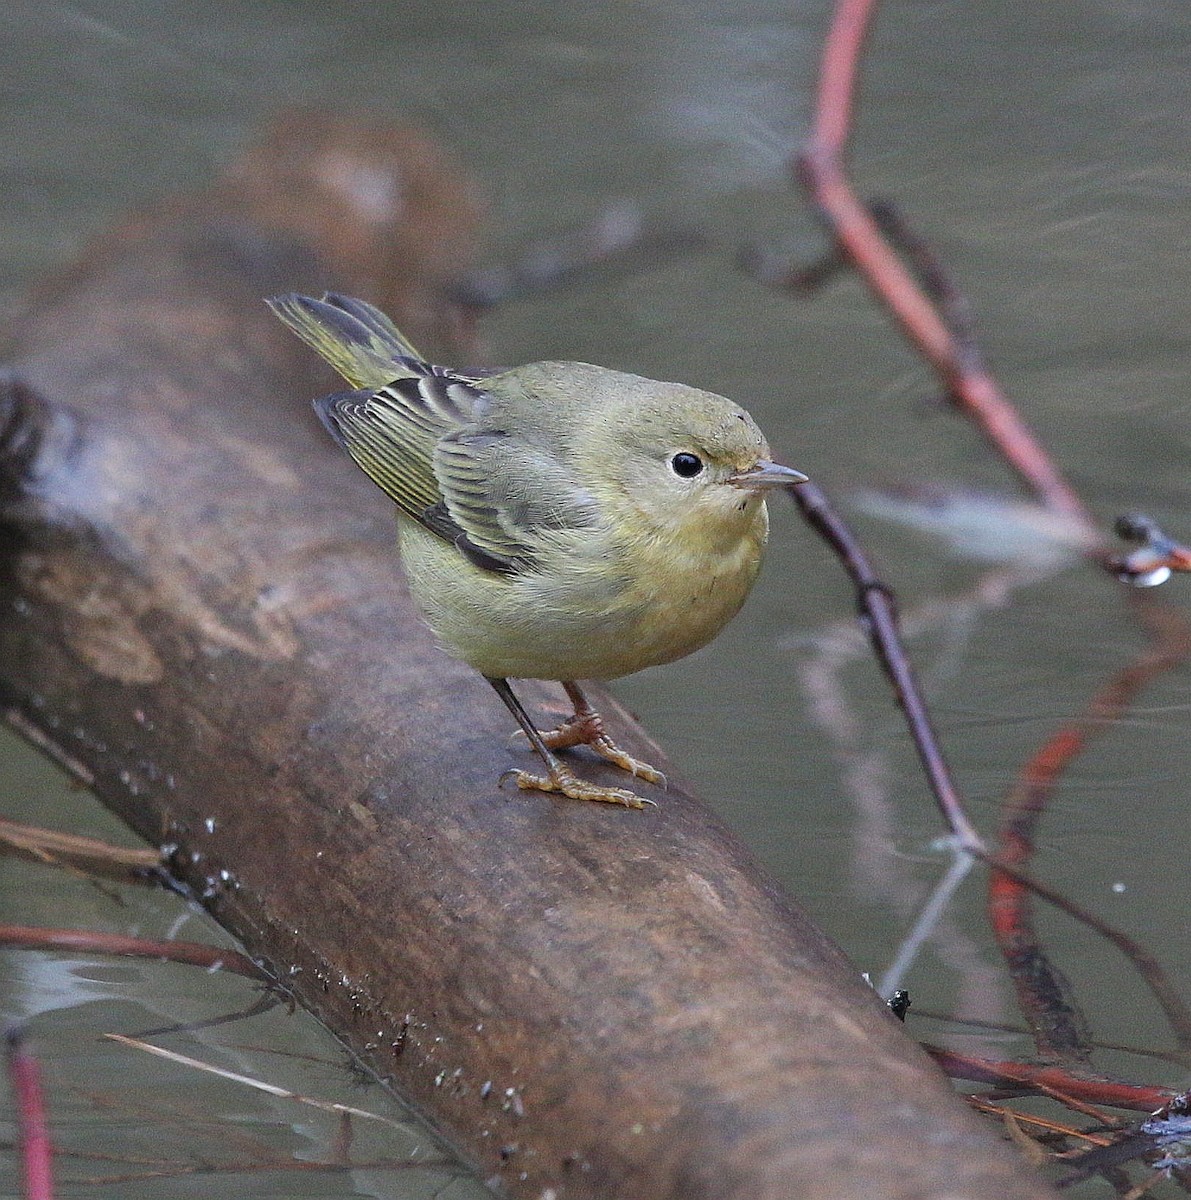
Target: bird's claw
{"x":587,"y":729}
{"x":563,"y":782}
{"x":606,"y":748}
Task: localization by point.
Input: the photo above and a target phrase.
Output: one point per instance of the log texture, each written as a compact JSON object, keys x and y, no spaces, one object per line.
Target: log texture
{"x":203,"y":618}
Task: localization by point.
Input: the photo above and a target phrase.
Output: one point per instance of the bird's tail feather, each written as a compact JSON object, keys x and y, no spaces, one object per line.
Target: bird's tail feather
{"x":359,"y":341}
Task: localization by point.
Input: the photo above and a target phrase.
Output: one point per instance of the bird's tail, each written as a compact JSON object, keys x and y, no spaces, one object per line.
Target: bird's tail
{"x":359,"y":341}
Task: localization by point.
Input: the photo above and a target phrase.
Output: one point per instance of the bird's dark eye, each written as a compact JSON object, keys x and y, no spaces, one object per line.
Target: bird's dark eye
{"x":686,"y":465}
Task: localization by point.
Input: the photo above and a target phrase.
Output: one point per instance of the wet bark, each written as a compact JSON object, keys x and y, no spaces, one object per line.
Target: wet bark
{"x":204,"y":620}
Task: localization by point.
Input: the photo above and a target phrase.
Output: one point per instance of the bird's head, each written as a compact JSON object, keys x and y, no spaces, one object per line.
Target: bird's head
{"x":691,"y":464}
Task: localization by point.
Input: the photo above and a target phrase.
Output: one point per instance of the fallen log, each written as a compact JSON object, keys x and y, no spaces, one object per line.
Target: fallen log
{"x":204,"y":621}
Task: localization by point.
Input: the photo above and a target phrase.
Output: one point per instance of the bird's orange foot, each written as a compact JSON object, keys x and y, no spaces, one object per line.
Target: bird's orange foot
{"x":564,"y":782}
{"x":587,"y":729}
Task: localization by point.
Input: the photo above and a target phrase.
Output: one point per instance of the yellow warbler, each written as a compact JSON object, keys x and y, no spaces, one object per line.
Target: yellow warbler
{"x":557,"y":521}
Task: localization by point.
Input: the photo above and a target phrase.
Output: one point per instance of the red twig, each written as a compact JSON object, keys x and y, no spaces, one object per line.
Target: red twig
{"x":193,"y":953}
{"x":1147,"y":966}
{"x":1042,"y":992}
{"x":822,"y":172}
{"x":949,"y":346}
{"x":1051,"y":1080}
{"x":24,"y":1076}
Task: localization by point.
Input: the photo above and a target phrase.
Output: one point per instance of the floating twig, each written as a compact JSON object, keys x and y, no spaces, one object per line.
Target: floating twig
{"x":195,"y":954}
{"x":128,"y":864}
{"x":257,"y":1084}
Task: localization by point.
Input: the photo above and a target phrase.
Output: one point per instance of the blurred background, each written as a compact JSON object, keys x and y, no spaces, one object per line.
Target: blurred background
{"x":1042,"y":149}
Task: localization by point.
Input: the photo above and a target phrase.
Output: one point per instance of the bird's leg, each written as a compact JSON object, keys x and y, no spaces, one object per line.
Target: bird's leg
{"x":559,"y":777}
{"x":586,"y":728}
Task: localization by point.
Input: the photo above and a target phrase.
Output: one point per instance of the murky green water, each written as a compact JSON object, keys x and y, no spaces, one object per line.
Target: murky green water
{"x":1043,"y":148}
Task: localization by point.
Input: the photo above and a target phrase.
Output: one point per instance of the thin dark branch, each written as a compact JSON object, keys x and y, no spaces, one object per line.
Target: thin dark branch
{"x":617,"y":238}
{"x":262,"y":1004}
{"x":878,"y":611}
{"x":953,"y":305}
{"x":930,"y":1014}
{"x":1174,"y":1007}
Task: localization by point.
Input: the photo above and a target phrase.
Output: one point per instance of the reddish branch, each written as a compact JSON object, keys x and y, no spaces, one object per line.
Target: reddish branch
{"x":934,"y":316}
{"x":195,"y":954}
{"x":33,"y":1132}
{"x":822,"y":171}
{"x":1053,"y":1081}
{"x":1041,"y":991}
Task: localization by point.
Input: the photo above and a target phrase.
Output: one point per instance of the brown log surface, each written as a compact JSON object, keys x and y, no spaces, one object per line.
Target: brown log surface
{"x":204,"y":619}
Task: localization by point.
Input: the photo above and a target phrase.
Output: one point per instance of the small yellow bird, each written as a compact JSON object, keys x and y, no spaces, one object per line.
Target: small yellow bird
{"x":557,"y":521}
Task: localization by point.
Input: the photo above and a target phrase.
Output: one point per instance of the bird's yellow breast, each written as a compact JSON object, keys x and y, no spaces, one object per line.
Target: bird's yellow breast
{"x":595,"y":609}
{"x":685,"y":590}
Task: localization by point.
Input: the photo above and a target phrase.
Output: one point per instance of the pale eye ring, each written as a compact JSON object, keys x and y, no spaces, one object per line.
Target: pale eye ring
{"x":686,"y":465}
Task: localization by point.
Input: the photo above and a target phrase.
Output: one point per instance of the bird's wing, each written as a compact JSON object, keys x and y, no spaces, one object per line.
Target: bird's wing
{"x":507,"y":494}
{"x":392,"y":432}
{"x":488,"y":492}
{"x":491,"y":494}
{"x":418,"y":432}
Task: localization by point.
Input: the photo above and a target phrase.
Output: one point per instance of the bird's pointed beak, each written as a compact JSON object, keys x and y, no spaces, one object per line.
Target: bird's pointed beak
{"x":767,"y":475}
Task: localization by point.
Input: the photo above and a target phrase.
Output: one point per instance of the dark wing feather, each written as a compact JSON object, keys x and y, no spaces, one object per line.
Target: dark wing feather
{"x":432,"y":440}
{"x":508,"y":494}
{"x":392,"y":434}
